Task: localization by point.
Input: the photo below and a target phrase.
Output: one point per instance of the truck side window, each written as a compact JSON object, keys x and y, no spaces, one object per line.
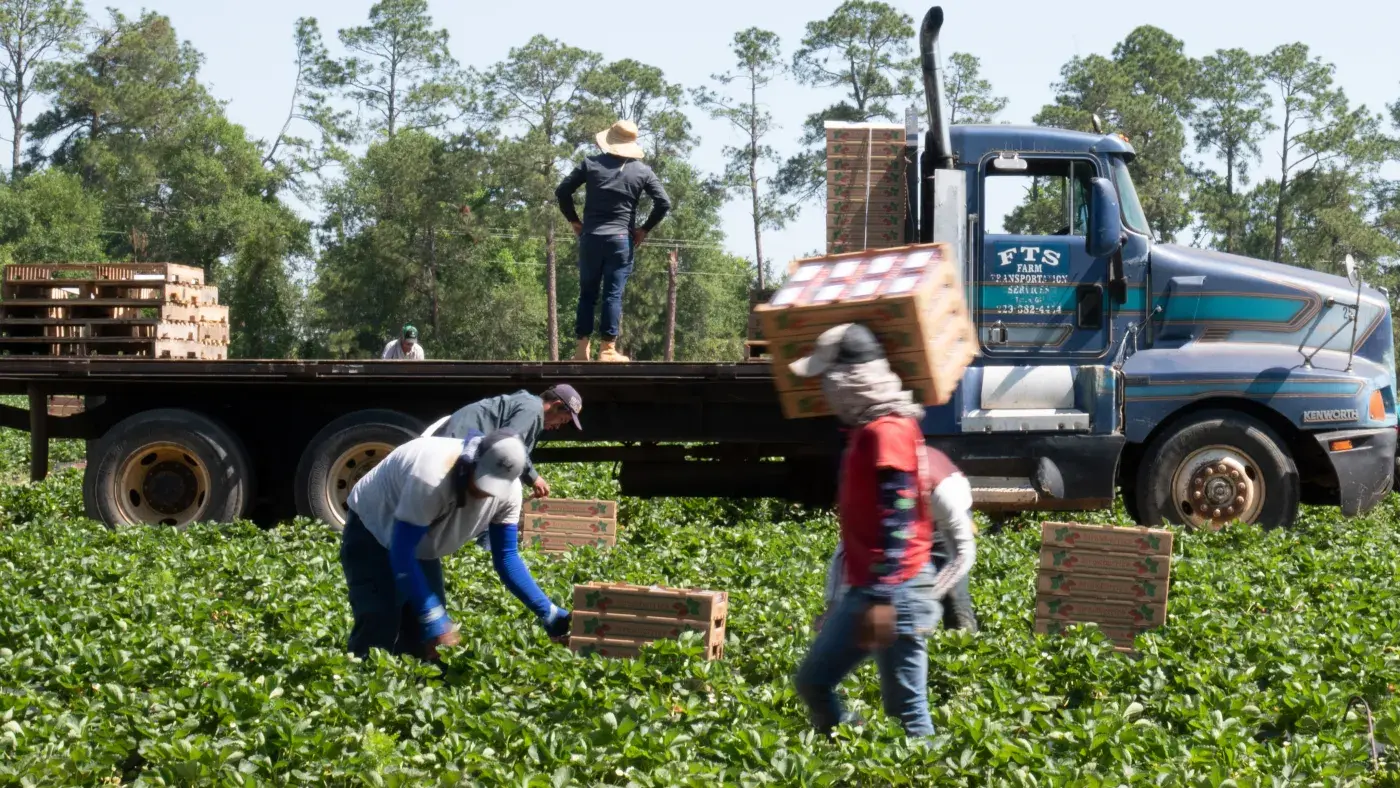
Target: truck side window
{"x":1050,"y":197}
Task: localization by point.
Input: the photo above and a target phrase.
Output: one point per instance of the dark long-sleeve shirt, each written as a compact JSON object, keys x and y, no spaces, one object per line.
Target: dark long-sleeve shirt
{"x":522,"y":412}
{"x":615,"y":185}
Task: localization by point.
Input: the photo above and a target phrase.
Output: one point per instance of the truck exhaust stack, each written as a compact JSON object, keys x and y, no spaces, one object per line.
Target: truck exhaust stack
{"x":939,"y":143}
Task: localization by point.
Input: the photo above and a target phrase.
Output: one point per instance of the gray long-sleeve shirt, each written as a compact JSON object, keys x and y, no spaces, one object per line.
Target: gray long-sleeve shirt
{"x":615,"y":185}
{"x":522,"y":412}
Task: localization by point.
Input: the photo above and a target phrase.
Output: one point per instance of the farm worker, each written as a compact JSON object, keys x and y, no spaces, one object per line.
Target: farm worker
{"x":608,"y":236}
{"x":405,"y":347}
{"x":892,"y":491}
{"x":425,"y":500}
{"x":522,"y":412}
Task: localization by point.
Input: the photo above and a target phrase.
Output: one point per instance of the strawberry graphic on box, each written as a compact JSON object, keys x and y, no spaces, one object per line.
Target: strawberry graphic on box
{"x":1114,"y":539}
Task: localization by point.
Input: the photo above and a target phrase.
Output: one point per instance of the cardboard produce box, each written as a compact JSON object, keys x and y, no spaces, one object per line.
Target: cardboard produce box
{"x":911,"y":297}
{"x":606,"y":647}
{"x":812,"y":403}
{"x":651,"y":601}
{"x":567,"y":508}
{"x":625,"y":625}
{"x":1111,"y":539}
{"x":564,"y":542}
{"x":1140,"y":589}
{"x":843,"y":195}
{"x":838,"y":132}
{"x":626,"y":648}
{"x":1142,"y":614}
{"x":1100,"y":563}
{"x":572,"y":525}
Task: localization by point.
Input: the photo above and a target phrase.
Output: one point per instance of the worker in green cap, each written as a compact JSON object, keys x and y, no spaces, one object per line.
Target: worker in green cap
{"x":405,"y":347}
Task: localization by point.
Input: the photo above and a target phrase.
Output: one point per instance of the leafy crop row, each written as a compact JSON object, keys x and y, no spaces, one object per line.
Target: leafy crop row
{"x":214,"y":657}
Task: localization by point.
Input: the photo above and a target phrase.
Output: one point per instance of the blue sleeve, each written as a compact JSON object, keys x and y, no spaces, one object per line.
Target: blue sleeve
{"x":898,"y":512}
{"x":516,"y":577}
{"x":410,"y":580}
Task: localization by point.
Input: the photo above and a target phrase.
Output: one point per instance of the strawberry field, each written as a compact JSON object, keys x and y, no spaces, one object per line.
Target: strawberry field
{"x":214,"y":657}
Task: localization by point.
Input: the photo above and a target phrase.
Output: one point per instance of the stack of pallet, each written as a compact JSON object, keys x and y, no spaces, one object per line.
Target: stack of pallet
{"x":866,"y":206}
{"x":557,"y":525}
{"x":911,"y":297}
{"x":147,"y":310}
{"x":756,"y":342}
{"x":616,"y":620}
{"x":1113,"y":577}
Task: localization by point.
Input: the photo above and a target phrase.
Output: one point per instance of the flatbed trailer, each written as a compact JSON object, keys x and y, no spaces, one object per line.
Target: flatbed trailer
{"x":290,"y":437}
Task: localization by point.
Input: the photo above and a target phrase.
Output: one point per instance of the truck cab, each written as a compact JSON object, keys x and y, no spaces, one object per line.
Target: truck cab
{"x":1204,"y":387}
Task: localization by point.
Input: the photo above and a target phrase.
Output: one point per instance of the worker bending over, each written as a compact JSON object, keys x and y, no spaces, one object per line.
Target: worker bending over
{"x":608,"y":236}
{"x":892,"y":491}
{"x":522,"y":412}
{"x":405,"y":347}
{"x":424,"y":501}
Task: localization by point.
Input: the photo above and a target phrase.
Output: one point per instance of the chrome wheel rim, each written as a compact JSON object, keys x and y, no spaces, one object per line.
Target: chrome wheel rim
{"x":1218,"y":485}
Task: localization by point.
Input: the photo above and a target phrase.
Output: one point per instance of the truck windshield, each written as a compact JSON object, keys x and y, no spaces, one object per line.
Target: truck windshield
{"x":1128,"y":198}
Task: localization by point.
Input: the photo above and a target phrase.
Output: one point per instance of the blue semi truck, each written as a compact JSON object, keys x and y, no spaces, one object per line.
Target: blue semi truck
{"x":1205,"y":387}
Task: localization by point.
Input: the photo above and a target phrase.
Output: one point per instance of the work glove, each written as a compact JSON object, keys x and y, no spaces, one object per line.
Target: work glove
{"x":556,"y":624}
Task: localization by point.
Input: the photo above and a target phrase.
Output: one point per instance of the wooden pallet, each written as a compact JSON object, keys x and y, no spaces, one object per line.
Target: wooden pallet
{"x":103,"y":272}
{"x":138,"y":347}
{"x":756,"y":350}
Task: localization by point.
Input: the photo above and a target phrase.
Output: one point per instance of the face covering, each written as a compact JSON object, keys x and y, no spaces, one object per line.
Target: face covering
{"x":861,"y":393}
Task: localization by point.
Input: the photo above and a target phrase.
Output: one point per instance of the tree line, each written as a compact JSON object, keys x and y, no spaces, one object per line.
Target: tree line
{"x":405,"y":187}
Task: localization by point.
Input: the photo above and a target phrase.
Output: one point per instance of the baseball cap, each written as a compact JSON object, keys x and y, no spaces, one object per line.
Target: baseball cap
{"x":500,"y":460}
{"x":572,"y":401}
{"x":849,"y":343}
{"x":409,"y":332}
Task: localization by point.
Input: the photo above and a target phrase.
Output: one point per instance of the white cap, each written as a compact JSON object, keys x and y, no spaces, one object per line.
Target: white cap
{"x":500,"y":460}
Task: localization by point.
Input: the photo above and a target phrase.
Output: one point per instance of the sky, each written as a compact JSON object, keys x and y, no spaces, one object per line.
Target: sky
{"x":248,"y":52}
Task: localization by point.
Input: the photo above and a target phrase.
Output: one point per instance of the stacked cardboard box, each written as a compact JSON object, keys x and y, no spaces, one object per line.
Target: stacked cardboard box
{"x":150,"y":310}
{"x":866,"y":205}
{"x":616,"y":619}
{"x":911,"y":297}
{"x":1114,"y":577}
{"x":557,"y":525}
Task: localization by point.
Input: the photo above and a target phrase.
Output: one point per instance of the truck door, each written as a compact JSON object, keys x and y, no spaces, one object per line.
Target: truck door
{"x":1039,"y":293}
{"x":1041,"y":301}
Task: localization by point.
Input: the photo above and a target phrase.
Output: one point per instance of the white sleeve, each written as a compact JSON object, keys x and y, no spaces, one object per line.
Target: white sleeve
{"x":952,"y":512}
{"x":417,"y":354}
{"x":388,"y":352}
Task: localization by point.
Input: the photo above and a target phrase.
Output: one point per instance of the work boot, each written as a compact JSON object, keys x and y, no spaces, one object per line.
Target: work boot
{"x":609,"y":352}
{"x":585,"y":349}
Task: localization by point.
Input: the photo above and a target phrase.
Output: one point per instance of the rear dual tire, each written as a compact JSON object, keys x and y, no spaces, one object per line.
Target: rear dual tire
{"x":341,"y":454}
{"x":169,"y":467}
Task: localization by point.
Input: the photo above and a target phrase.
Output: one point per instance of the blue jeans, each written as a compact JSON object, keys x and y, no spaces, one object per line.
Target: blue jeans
{"x":604,"y":263}
{"x":903,"y":666}
{"x":383,"y":618}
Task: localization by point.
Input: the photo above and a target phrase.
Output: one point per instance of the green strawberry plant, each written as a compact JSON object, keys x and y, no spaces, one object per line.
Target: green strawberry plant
{"x":215,"y":656}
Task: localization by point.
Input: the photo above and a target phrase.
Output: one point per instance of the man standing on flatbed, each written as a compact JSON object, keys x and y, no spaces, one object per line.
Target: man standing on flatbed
{"x":608,"y":236}
{"x":405,"y":347}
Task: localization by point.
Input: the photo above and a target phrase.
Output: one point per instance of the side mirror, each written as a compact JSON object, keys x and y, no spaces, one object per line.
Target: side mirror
{"x":1351,"y":269}
{"x":1105,"y":221}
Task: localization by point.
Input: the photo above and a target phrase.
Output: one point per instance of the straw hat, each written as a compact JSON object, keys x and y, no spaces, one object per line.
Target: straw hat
{"x":621,"y":140}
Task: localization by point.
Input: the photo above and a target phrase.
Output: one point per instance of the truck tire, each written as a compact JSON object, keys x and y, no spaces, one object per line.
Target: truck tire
{"x":167,"y":467}
{"x":1217,"y":467}
{"x":343,"y":452}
